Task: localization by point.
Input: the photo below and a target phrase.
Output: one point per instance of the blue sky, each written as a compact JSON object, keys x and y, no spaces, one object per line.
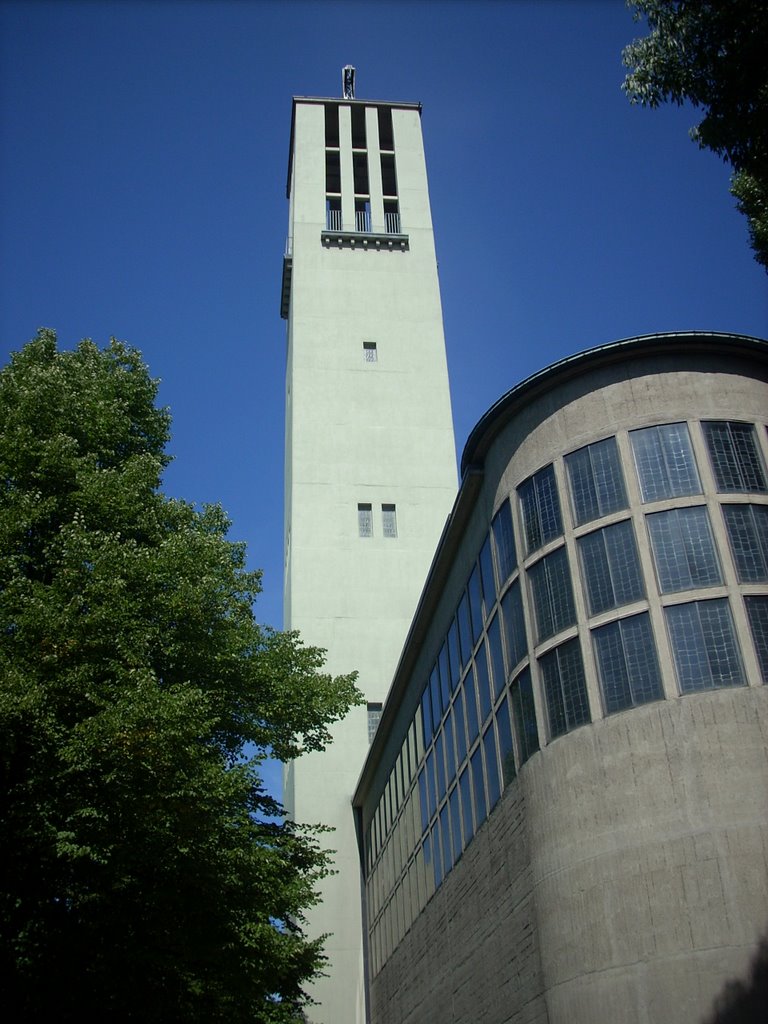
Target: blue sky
{"x":142,"y":195}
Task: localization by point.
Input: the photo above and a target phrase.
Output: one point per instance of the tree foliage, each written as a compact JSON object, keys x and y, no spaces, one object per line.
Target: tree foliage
{"x":143,"y":875}
{"x":712,"y":53}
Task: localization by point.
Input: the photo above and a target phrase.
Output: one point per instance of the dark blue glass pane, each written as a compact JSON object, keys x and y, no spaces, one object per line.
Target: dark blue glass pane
{"x":478,"y":786}
{"x":491,"y":766}
{"x":453,"y":803}
{"x":440,"y":765}
{"x":475,"y":603}
{"x":506,"y":749}
{"x":483,"y":682}
{"x":423,"y":800}
{"x":434,"y":695}
{"x":514,"y":625}
{"x":458,"y":721}
{"x":486,"y":572}
{"x":429,"y":769}
{"x":453,"y":655}
{"x":470,"y":703}
{"x":466,"y":805}
{"x":498,"y":673}
{"x":450,"y":750}
{"x":445,"y":836}
{"x":504,"y":540}
{"x":465,"y":630}
{"x":445,"y":677}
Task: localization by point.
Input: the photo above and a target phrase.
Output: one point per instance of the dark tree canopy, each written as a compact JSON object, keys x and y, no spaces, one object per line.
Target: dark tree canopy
{"x":712,"y":53}
{"x":142,"y":877}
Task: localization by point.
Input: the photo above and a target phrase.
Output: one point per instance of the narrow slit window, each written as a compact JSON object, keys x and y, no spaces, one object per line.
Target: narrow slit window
{"x":370,"y":352}
{"x":365,"y":520}
{"x":358,"y":126}
{"x":389,"y":520}
{"x":360,"y":173}
{"x":386,"y":135}
{"x":332,"y":125}
{"x":374,"y":715}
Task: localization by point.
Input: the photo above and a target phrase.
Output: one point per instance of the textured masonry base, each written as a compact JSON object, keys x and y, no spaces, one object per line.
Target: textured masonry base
{"x":623,"y":877}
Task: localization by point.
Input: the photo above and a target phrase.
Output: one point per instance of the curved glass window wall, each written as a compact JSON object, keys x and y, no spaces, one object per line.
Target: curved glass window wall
{"x":564,"y":588}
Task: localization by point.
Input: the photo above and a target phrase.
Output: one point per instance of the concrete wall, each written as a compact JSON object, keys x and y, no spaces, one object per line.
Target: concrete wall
{"x":621,"y":878}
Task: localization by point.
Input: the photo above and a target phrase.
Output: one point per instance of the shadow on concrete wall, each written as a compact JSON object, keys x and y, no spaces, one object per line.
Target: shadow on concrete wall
{"x":745,"y":1002}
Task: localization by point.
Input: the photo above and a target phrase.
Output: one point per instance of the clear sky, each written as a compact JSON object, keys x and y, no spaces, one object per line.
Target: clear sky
{"x":143,"y":165}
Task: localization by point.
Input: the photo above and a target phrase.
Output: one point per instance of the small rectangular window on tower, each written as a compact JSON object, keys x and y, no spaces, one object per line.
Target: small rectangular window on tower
{"x":370,"y":352}
{"x":365,"y":520}
{"x":374,"y":715}
{"x":389,"y":520}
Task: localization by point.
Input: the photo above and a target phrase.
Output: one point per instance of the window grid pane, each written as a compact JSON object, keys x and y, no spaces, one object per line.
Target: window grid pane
{"x":747,"y":527}
{"x":475,"y":603}
{"x":597,"y":482}
{"x":540,"y":508}
{"x":465,"y":631}
{"x":515,"y":639}
{"x":524,"y":711}
{"x":611,"y":567}
{"x":552,"y":594}
{"x":506,"y":747}
{"x":504,"y":539}
{"x":389,"y":520}
{"x":757,"y":611}
{"x":491,"y":765}
{"x":735,"y":459}
{"x":374,"y":716}
{"x":565,"y":688}
{"x":627,"y":664}
{"x":365,"y":520}
{"x":498,"y":672}
{"x":666,"y":467}
{"x":704,"y":645}
{"x":683,"y":549}
{"x":486,"y":573}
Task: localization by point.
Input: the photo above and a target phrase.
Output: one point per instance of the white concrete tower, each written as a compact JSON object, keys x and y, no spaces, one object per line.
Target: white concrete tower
{"x":370,"y":470}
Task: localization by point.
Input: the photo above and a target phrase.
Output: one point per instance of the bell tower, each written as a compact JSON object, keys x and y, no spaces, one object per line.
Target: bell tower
{"x":370,"y":467}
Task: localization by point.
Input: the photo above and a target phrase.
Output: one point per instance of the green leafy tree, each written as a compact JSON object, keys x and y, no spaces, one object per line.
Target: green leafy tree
{"x":712,"y":53}
{"x":145,"y":873}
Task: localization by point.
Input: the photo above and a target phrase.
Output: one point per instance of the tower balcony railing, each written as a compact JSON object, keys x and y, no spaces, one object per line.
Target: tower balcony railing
{"x":363,"y":220}
{"x":392,"y":223}
{"x":333,"y":220}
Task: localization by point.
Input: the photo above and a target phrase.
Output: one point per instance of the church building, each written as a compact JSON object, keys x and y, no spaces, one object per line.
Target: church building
{"x":554,"y":807}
